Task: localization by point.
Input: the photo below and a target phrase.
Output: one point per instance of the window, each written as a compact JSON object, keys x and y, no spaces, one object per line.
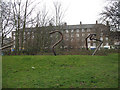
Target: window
{"x":0,"y":11}
{"x":77,"y":35}
{"x":83,"y":30}
{"x":101,"y":33}
{"x":61,"y":31}
{"x":33,"y":37}
{"x":67,"y":35}
{"x":77,"y":30}
{"x":65,"y":46}
{"x":102,"y":45}
{"x":107,"y":44}
{"x":101,"y":38}
{"x":106,"y":38}
{"x":24,"y":37}
{"x":14,"y":37}
{"x":66,"y":39}
{"x":88,"y":30}
{"x":87,"y":34}
{"x":14,"y":46}
{"x":46,"y":47}
{"x":71,"y":35}
{"x":13,"y":33}
{"x":83,"y":34}
{"x":94,"y":44}
{"x":50,"y":35}
{"x":88,"y":44}
{"x":1,"y":33}
{"x":83,"y":40}
{"x":24,"y":33}
{"x":88,"y":39}
{"x":66,"y":31}
{"x":72,"y":39}
{"x":28,"y":33}
{"x":71,"y":30}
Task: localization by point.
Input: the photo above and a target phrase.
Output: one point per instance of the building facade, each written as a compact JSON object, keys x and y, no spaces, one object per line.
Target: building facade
{"x":74,"y":35}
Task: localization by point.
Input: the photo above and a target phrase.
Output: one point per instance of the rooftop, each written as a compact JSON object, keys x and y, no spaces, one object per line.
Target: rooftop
{"x":69,"y":27}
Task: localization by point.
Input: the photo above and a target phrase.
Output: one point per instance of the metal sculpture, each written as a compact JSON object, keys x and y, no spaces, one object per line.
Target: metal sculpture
{"x":57,"y":41}
{"x":87,"y":41}
{"x":10,"y":44}
{"x":91,"y":36}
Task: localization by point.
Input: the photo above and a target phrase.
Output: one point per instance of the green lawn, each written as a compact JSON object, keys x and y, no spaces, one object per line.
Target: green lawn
{"x":65,"y":71}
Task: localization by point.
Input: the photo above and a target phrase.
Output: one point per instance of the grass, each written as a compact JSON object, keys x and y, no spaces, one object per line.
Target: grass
{"x":65,"y":71}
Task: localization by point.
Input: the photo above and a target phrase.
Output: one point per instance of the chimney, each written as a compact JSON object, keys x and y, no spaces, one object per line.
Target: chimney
{"x":65,"y":24}
{"x":107,"y":23}
{"x":80,"y":23}
{"x":96,"y":22}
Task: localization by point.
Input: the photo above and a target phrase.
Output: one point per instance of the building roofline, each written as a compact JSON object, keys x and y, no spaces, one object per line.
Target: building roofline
{"x":68,"y":27}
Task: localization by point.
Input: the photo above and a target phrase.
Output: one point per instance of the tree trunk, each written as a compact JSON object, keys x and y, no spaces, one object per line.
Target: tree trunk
{"x":24,"y":24}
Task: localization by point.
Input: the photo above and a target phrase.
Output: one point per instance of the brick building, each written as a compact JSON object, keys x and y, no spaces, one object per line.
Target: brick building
{"x":74,"y":35}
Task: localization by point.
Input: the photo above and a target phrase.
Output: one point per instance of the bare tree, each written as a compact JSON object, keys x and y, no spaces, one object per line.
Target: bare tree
{"x":41,"y":39}
{"x":59,"y":13}
{"x":7,"y":24}
{"x":24,"y":22}
{"x":42,"y":17}
{"x":111,"y":13}
{"x":22,"y":17}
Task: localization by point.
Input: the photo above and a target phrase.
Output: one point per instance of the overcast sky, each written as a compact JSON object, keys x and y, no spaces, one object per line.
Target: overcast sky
{"x":86,"y":11}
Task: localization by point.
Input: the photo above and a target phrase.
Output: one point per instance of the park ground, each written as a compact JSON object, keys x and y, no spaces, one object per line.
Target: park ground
{"x":62,"y":71}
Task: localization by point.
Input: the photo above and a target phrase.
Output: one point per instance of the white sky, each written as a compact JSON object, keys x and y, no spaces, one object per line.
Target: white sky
{"x":86,"y":11}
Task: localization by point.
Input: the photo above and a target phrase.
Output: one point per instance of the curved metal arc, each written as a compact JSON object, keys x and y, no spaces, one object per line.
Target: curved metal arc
{"x":7,"y":45}
{"x":86,"y":40}
{"x":97,"y":46}
{"x":92,"y":38}
{"x":57,"y":41}
{"x":89,"y":36}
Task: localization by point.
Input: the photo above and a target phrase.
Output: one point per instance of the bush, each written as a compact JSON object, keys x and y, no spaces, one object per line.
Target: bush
{"x":61,"y":52}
